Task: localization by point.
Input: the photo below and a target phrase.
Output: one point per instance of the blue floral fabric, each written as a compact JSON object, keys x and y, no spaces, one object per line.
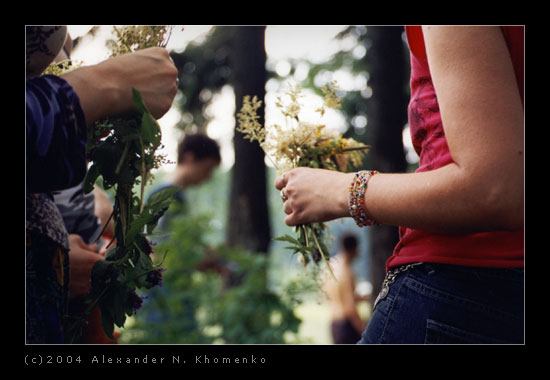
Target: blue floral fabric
{"x":56,"y":135}
{"x":55,"y":160}
{"x":47,"y":289}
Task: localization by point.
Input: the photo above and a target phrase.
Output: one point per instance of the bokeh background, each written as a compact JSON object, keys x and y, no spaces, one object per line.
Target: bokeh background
{"x":268,"y":297}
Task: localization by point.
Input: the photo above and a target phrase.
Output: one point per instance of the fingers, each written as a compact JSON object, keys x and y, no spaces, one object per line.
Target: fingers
{"x":292,"y":209}
{"x":102,"y":252}
{"x":156,"y":78}
{"x":293,"y":219}
{"x":280,"y":182}
{"x":96,"y":257}
{"x":288,"y":197}
{"x":77,"y":242}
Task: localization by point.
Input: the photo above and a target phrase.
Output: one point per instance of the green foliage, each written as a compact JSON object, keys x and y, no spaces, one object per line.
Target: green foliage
{"x":204,"y":68}
{"x":210,"y":294}
{"x":124,"y":159}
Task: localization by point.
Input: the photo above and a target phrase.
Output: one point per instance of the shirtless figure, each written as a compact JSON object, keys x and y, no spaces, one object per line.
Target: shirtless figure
{"x":346,"y":326}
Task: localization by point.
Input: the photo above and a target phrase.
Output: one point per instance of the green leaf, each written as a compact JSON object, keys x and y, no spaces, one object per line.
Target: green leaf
{"x":150,"y":130}
{"x":138,"y":101}
{"x":105,"y":157}
{"x":152,"y":212}
{"x":119,"y":304}
{"x":109,"y":254}
{"x":103,"y":272}
{"x":143,"y":266}
{"x":107,"y":322}
{"x":137,"y":225}
{"x":90,"y":179}
{"x":161,"y":199}
{"x":288,"y":239}
{"x":296,"y":249}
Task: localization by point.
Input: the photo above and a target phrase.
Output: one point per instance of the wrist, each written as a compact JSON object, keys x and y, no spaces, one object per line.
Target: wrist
{"x":356,"y":198}
{"x":343,"y":195}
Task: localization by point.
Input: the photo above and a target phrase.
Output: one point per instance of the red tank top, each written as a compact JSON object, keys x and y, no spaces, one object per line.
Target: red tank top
{"x":489,"y":249}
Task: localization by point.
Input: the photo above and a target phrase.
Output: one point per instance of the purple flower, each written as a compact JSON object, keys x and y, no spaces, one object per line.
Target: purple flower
{"x":150,"y":245}
{"x":155,"y":277}
{"x":136,"y":301}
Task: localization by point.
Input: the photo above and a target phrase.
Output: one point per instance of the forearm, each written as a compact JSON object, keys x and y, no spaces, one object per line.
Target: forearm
{"x":96,"y":91}
{"x":450,"y":200}
{"x":481,"y":190}
{"x":106,"y":88}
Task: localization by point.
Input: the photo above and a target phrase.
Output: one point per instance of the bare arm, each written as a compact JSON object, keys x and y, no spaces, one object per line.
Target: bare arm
{"x":105,"y":89}
{"x":483,"y":121}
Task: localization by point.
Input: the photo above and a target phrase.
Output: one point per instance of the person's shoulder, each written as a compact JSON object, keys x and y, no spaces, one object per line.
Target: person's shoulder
{"x":159,"y":187}
{"x":178,"y":196}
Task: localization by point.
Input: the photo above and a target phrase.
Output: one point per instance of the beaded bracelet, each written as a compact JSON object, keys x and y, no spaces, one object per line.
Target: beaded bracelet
{"x":357,"y":196}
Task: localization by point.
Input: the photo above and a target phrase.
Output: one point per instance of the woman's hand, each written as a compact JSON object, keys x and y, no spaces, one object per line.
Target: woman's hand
{"x":314,"y":195}
{"x":105,"y":89}
{"x":82,"y":258}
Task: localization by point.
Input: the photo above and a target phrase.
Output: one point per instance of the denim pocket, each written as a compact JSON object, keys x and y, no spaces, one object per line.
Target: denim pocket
{"x":448,"y":295}
{"x":440,"y":333}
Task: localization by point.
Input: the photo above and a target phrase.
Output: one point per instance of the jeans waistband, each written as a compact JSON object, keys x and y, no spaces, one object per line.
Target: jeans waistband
{"x":509,"y":273}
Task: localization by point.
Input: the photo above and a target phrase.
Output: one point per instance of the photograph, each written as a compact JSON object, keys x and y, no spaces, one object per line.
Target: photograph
{"x":253,"y":196}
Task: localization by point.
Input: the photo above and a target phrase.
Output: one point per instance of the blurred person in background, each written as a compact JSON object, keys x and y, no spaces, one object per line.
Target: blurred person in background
{"x":346,"y":325}
{"x":197,"y":157}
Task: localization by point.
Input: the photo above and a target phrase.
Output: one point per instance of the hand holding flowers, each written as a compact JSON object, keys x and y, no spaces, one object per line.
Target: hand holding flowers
{"x":310,"y":158}
{"x":307,"y":190}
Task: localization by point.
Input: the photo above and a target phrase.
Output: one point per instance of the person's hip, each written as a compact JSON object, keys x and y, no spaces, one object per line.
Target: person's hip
{"x":439,"y":303}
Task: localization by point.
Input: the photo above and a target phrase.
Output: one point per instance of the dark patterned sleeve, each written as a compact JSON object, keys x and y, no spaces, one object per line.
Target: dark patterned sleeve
{"x":56,"y":135}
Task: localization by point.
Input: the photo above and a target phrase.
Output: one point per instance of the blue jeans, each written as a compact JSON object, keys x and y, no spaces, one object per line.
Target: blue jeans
{"x":449,"y":304}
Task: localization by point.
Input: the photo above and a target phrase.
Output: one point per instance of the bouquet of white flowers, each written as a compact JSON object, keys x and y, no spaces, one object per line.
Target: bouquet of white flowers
{"x":302,"y":144}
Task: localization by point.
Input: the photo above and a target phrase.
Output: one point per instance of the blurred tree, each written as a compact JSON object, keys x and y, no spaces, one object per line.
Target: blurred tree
{"x":248,"y":225}
{"x":387,"y":114}
{"x":232,"y":55}
{"x":203,"y":69}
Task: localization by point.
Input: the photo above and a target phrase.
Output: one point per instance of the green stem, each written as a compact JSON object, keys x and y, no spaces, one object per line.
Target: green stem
{"x":363,"y":147}
{"x":122,"y":158}
{"x":143,"y":174}
{"x":105,"y":226}
{"x":304,"y":227}
{"x":324,"y":257}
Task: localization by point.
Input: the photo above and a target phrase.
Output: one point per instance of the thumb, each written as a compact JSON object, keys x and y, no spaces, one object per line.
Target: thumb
{"x":77,"y":241}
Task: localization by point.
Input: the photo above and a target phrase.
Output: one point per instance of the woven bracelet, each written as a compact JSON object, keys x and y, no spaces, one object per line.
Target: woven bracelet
{"x":357,"y":197}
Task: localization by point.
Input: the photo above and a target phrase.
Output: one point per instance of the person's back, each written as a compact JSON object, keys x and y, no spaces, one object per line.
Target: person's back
{"x":346,"y":326}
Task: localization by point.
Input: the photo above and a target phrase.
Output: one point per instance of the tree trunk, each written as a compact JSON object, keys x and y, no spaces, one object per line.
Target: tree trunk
{"x":387,"y":115}
{"x":248,"y":225}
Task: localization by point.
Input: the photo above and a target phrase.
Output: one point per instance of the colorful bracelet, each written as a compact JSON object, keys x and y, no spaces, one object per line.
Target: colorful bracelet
{"x":357,"y":197}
